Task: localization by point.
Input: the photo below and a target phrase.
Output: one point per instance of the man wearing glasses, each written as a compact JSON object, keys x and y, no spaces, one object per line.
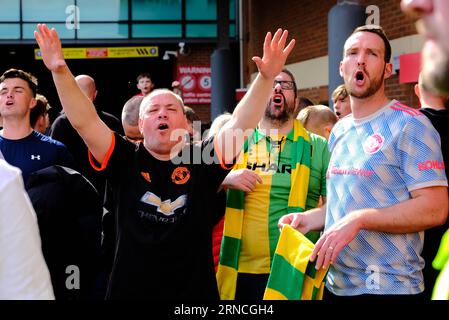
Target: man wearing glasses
{"x":265,"y":182}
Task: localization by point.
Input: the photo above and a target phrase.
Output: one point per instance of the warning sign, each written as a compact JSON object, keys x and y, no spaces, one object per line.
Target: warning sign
{"x":187,"y":82}
{"x":105,"y":53}
{"x":195,"y":83}
{"x":205,"y":82}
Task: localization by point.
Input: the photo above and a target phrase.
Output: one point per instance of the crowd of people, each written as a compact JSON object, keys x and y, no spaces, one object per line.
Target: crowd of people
{"x":156,"y":210}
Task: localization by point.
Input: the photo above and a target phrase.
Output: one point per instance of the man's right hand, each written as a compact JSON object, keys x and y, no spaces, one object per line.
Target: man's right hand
{"x":50,"y":46}
{"x":296,"y":220}
{"x":242,"y":179}
{"x":305,"y":221}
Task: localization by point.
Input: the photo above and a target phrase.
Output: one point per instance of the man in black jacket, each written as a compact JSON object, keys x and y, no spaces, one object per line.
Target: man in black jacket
{"x":63,"y":131}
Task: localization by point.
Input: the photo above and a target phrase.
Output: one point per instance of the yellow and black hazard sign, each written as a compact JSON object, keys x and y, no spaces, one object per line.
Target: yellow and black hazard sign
{"x":105,"y":52}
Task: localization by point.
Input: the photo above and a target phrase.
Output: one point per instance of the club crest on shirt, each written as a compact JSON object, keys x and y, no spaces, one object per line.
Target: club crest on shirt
{"x":180,"y":175}
{"x":373,"y":143}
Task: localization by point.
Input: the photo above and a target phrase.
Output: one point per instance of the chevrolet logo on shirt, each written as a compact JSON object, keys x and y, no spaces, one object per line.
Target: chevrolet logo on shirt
{"x":166,"y":207}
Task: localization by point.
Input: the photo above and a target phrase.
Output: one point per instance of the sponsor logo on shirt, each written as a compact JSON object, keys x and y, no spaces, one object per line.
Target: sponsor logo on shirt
{"x":431,"y":165}
{"x":156,"y":218}
{"x":35,"y":157}
{"x":350,"y":171}
{"x":166,"y":207}
{"x":272,"y":167}
{"x":373,"y":143}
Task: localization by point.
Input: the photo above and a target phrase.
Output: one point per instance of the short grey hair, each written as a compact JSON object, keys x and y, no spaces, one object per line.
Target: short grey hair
{"x":130,"y":112}
{"x":155,"y":92}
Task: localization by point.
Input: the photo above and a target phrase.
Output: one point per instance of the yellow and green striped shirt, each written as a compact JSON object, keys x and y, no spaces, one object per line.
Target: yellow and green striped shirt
{"x":270,"y":158}
{"x":250,"y":233}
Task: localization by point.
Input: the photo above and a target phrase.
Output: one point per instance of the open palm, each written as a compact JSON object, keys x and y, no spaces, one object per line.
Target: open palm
{"x":275,"y":53}
{"x":50,"y":45}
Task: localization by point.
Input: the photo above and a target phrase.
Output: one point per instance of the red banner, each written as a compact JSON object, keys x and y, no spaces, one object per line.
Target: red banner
{"x":195,"y":84}
{"x":410,"y":65}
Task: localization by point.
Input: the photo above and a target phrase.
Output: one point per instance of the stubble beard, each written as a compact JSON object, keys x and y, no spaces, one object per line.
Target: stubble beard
{"x":278,"y":119}
{"x":375,"y":85}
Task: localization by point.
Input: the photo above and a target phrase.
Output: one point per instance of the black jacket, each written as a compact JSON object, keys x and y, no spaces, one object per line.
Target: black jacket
{"x":69,"y":212}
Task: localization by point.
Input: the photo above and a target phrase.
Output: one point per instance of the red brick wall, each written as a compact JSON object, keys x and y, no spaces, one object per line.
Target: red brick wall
{"x":403,"y":92}
{"x":199,"y":54}
{"x":306,"y":21}
{"x":392,"y":19}
{"x":318,"y":94}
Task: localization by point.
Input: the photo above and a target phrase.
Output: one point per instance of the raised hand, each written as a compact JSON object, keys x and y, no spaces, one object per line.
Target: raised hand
{"x":50,"y":45}
{"x":275,"y":54}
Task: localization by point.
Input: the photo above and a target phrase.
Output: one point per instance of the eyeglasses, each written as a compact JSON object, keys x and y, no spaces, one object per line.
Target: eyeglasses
{"x":285,"y":85}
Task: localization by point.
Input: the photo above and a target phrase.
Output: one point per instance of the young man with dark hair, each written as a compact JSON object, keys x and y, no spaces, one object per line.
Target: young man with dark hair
{"x":375,"y":29}
{"x":21,"y":146}
{"x":386,"y":184}
{"x":39,"y":118}
{"x":20,"y":74}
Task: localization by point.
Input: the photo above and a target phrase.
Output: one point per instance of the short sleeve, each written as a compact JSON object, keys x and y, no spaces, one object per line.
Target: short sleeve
{"x":419,"y":151}
{"x":212,"y":165}
{"x":119,"y":156}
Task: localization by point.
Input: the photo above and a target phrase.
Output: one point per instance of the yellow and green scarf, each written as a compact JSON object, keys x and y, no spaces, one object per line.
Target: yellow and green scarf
{"x":232,"y":233}
{"x":292,"y":277}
